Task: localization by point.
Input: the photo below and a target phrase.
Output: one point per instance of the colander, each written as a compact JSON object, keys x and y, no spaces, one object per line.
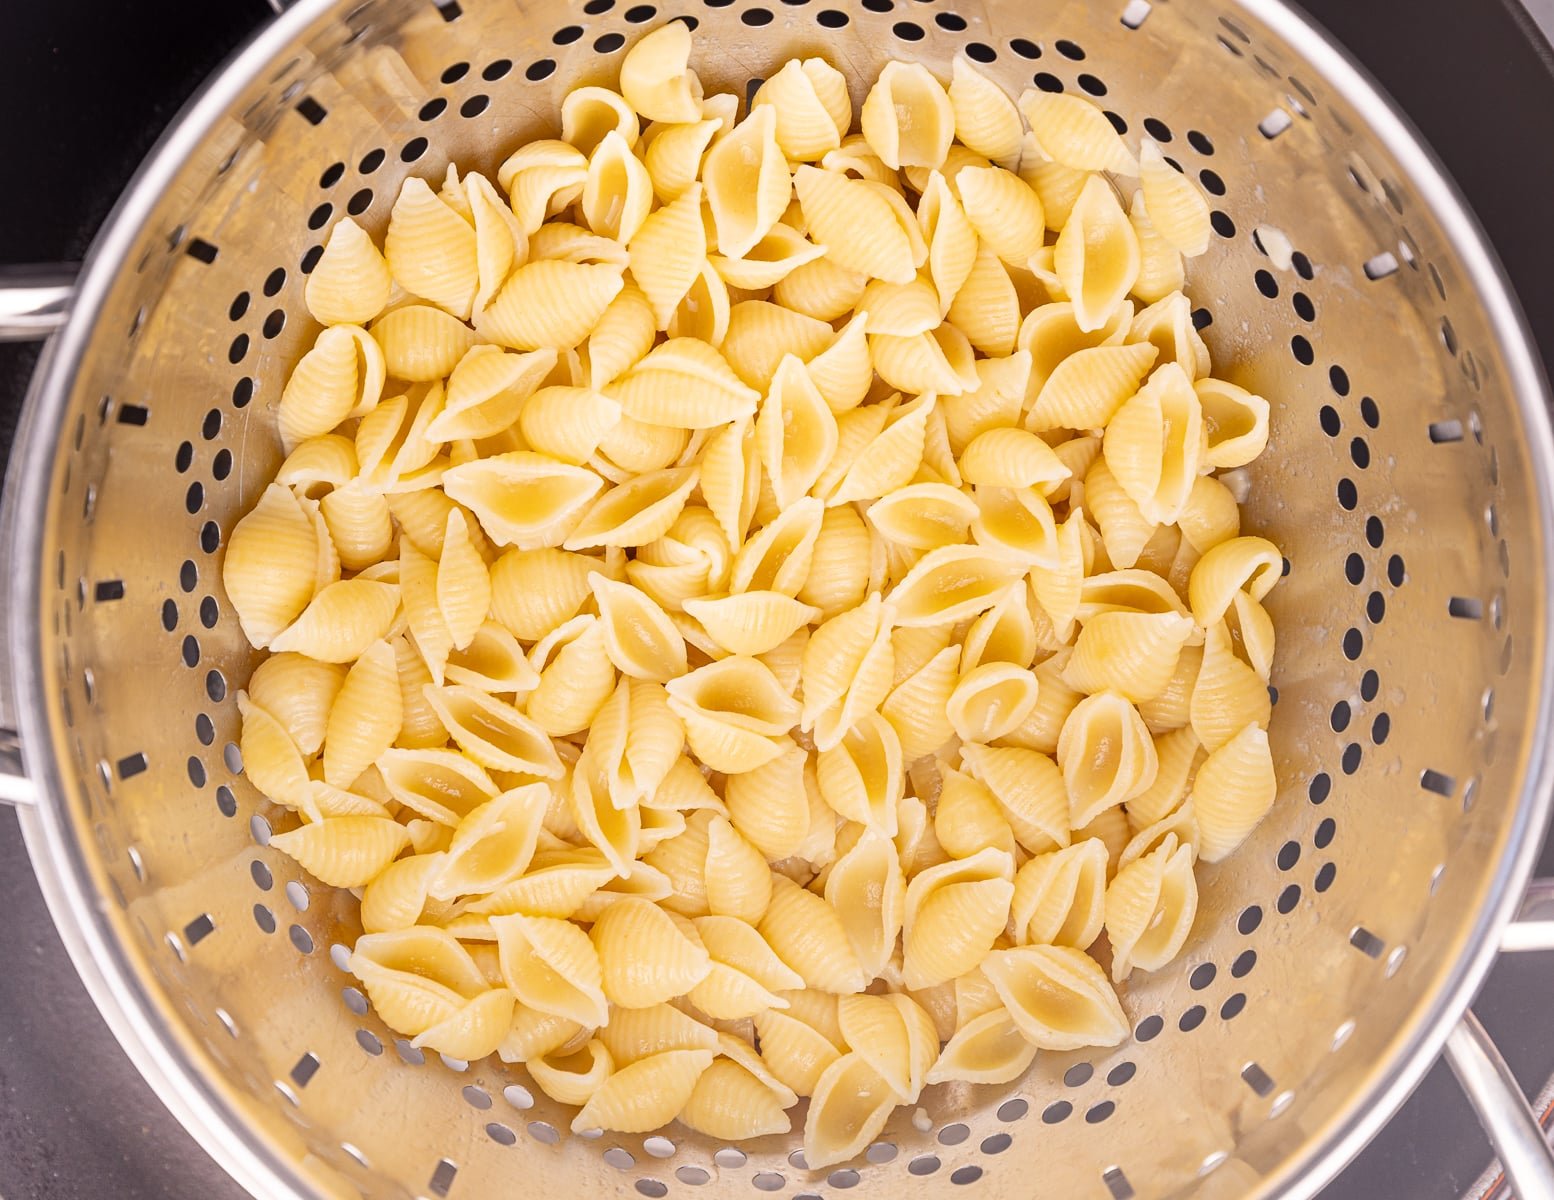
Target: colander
{"x":1408,"y":480}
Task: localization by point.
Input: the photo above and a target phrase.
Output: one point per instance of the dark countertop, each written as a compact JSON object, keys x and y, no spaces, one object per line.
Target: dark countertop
{"x":76,"y":1121}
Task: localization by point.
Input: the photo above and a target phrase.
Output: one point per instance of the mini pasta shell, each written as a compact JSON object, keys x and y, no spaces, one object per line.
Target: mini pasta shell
{"x":751,"y":622}
{"x":1059,"y":897}
{"x":341,"y":621}
{"x":861,"y":776}
{"x":737,"y":881}
{"x":951,"y":240}
{"x":340,"y":377}
{"x":867,"y":890}
{"x":1235,"y":422}
{"x":1250,"y":564}
{"x":1160,"y":264}
{"x":1176,"y":208}
{"x":924,"y":516}
{"x":795,"y":432}
{"x":885,"y":461}
{"x":523,"y":499}
{"x":953,"y":583}
{"x":486,"y":392}
{"x":1029,"y":788}
{"x":1106,"y":755}
{"x":747,"y":182}
{"x":746,"y":974}
{"x":996,"y":402}
{"x":639,"y":637}
{"x":1004,"y":210}
{"x":760,"y":335}
{"x":571,"y":1078}
{"x":1131,"y":653}
{"x":534,"y":591}
{"x":767,"y":803}
{"x":1167,"y":325}
{"x":555,"y":885}
{"x":549,"y":302}
{"x":673,"y":158}
{"x":940,"y":361}
{"x":359,"y":525}
{"x":733,"y":711}
{"x":396,"y":897}
{"x":1097,"y":255}
{"x":1057,"y":185}
{"x":1073,"y":131}
{"x":633,"y":1034}
{"x":654,"y":76}
{"x":668,"y":252}
{"x":1088,"y":387}
{"x":991,"y":701}
{"x":857,"y":225}
{"x":986,"y":120}
{"x":589,"y":113}
{"x":365,"y":717}
{"x":344,"y":852}
{"x":849,"y":1108}
{"x":917,"y":708}
{"x":430,"y":249}
{"x":421,"y":343}
{"x":907,"y":118}
{"x":636,"y":512}
{"x":986,"y":1049}
{"x":541,"y":179}
{"x":821,"y":289}
{"x":1154,"y":444}
{"x":730,"y":1103}
{"x":1124,"y":529}
{"x":782,"y":250}
{"x":575,"y":680}
{"x":493,"y":845}
{"x":967,"y":819}
{"x":987,"y":308}
{"x":646,"y":1094}
{"x":1058,"y":997}
{"x":268,"y":570}
{"x":1234,"y":789}
{"x":953,"y":914}
{"x":299,"y":693}
{"x":442,"y":785}
{"x":846,"y":671}
{"x":809,"y":937}
{"x":350,"y":284}
{"x":683,"y":384}
{"x":645,"y":958}
{"x":809,"y":97}
{"x":900,"y":309}
{"x":493,"y":733}
{"x":838,"y":575}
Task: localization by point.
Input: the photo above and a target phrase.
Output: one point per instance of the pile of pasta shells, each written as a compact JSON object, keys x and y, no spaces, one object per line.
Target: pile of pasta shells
{"x":757,"y":610}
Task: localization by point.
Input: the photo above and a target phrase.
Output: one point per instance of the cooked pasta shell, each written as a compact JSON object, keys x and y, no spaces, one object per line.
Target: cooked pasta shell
{"x":634,"y":1034}
{"x":760,"y":335}
{"x":463,"y":583}
{"x":1106,"y":755}
{"x":810,"y":938}
{"x":767,"y":803}
{"x":589,"y":113}
{"x":268,"y":572}
{"x":901,"y":309}
{"x":813,"y":111}
{"x":442,"y":785}
{"x":1250,"y":564}
{"x":636,"y":512}
{"x":1179,"y":753}
{"x":953,"y":583}
{"x":747,"y":182}
{"x":685,"y":384}
{"x":654,"y":76}
{"x":850,"y":1105}
{"x":1005,"y":633}
{"x":746,"y":973}
{"x":632,"y":447}
{"x":523,"y":499}
{"x":967,"y":819}
{"x":861,"y":776}
{"x":795,"y":1046}
{"x":534,"y":1033}
{"x":986,"y":120}
{"x":1234,"y":789}
{"x":575,"y":680}
{"x":340,"y":377}
{"x":1005,"y":211}
{"x":406,"y":1002}
{"x":486,"y":392}
{"x":1029,"y":788}
{"x":572,"y":1078}
{"x":995,"y":402}
{"x":1235,"y":421}
{"x":321,"y":463}
{"x":1087,"y":388}
{"x":1010,"y":458}
{"x":1097,"y":255}
{"x":838,"y":575}
{"x":735,"y":875}
{"x":430,"y":249}
{"x":420,"y":725}
{"x":1131,"y":653}
{"x":795,"y":432}
{"x":541,"y":179}
{"x":821,"y":289}
{"x":644,"y":956}
{"x":421,"y":343}
{"x":1167,"y":325}
{"x":1177,"y":209}
{"x":1051,"y":333}
{"x":1057,"y":185}
{"x":907,"y":118}
{"x":341,"y":621}
{"x":549,"y":303}
{"x":917,"y":708}
{"x":344,"y":852}
{"x":493,"y":845}
{"x":1154,"y":444}
{"x":867,"y":890}
{"x":359,"y":524}
{"x":987,"y":308}
{"x":646,"y":1094}
{"x":683,"y":860}
{"x":552,"y":966}
{"x":1160,"y":263}
{"x":1059,"y":897}
{"x":924,"y":516}
{"x":1150,"y":908}
{"x":857,"y":224}
{"x":1058,"y":997}
{"x":622,"y":336}
{"x":846,"y":671}
{"x":639,"y":637}
{"x":953,"y":914}
{"x":350,"y":284}
{"x":730,"y":478}
{"x":567,"y":423}
{"x":365,"y":717}
{"x":555,"y":885}
{"x":493,"y":733}
{"x":751,"y":622}
{"x":673,"y":158}
{"x":668,"y":252}
{"x":730,"y":1103}
{"x":990,"y":701}
{"x":987,"y":1049}
{"x":951,"y":240}
{"x":1073,"y":131}
{"x":534,"y":591}
{"x":396,"y":897}
{"x":782,"y":250}
{"x":1124,"y":529}
{"x":733,"y":710}
{"x":299,"y":694}
{"x":857,"y":160}
{"x":940,"y":361}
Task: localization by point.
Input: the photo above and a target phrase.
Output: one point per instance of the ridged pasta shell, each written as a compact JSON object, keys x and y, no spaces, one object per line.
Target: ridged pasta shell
{"x":1233,"y":791}
{"x":886,"y":461}
{"x":674,"y":156}
{"x":907,"y":118}
{"x":645,"y":957}
{"x":634,"y":1034}
{"x":987,"y":307}
{"x":751,"y":622}
{"x":572,"y":1078}
{"x":967,"y":818}
{"x":1087,"y":388}
{"x":555,"y":885}
{"x":575,"y":680}
{"x":1235,"y":421}
{"x":654,"y":76}
{"x":1075,"y":132}
{"x":1131,"y":653}
{"x":1010,"y":458}
{"x":782,"y":250}
{"x":344,"y":852}
{"x":1059,"y":897}
{"x":952,"y":583}
{"x":838,"y":575}
{"x":1154,"y":444}
{"x":917,"y":707}
{"x":821,"y":289}
{"x":421,"y":343}
{"x":987,"y":1049}
{"x":986,"y":120}
{"x":636,"y":512}
{"x":668,"y":252}
{"x":1005,"y":211}
{"x":1250,"y":564}
{"x":730,"y":1103}
{"x":1150,"y":908}
{"x":767,"y":803}
{"x":1160,"y":264}
{"x":1176,"y":208}
{"x":522,"y":498}
{"x":867,"y":890}
{"x":359,"y":524}
{"x":1097,"y":255}
{"x":430,"y":249}
{"x":340,"y":377}
{"x":1124,"y":529}
{"x":846,"y":671}
{"x":541,"y":179}
{"x":951,"y":240}
{"x":493,"y":845}
{"x":924,"y":516}
{"x":857,"y":225}
{"x":849,"y":1108}
{"x":365,"y":718}
{"x":350,"y":284}
{"x":341,"y":621}
{"x":549,"y":302}
{"x":589,"y":113}
{"x":327,"y":461}
{"x":940,"y":361}
{"x":995,"y":402}
{"x":760,"y":335}
{"x":1058,"y":997}
{"x":534,"y":591}
{"x":299,"y":693}
{"x":990,"y":701}
{"x":861,"y":776}
{"x":396,"y":897}
{"x":809,"y":937}
{"x":646,"y":1094}
{"x":684,"y":384}
{"x":900,"y":309}
{"x":1057,"y":185}
{"x":493,"y":733}
{"x":487,"y":391}
{"x":1029,"y":788}
{"x":1167,"y":325}
{"x":804,"y":95}
{"x":1106,"y":755}
{"x":1018,"y":523}
{"x":795,"y":1051}
{"x":442,"y":785}
{"x":746,"y":973}
{"x":747,"y":182}
{"x":953,"y":914}
{"x":268,"y":569}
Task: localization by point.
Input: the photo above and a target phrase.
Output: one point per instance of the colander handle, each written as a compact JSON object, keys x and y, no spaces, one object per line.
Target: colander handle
{"x":34,"y":301}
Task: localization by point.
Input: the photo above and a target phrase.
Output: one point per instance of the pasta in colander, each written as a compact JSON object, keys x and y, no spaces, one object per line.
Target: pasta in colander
{"x":750,"y":604}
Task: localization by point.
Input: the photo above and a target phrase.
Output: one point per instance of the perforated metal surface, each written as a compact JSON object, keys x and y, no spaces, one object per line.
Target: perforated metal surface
{"x":1412,"y":621}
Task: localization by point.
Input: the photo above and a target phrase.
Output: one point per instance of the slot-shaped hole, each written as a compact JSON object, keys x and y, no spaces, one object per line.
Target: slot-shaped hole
{"x":1384,"y":264}
{"x":109,"y":589}
{"x":312,"y":111}
{"x":1435,"y":781}
{"x":1446,"y":431}
{"x":198,"y":929}
{"x":199,"y":248}
{"x":133,"y":414}
{"x":1117,"y":1184}
{"x":132,"y":765}
{"x":1366,"y":942}
{"x":307,"y":1067}
{"x":1257,"y":1079}
{"x":1466,"y":608}
{"x":1274,"y":123}
{"x":442,"y":1178}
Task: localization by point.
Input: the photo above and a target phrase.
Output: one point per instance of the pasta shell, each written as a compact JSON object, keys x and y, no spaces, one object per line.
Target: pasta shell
{"x":572,"y":1078}
{"x":635,"y":513}
{"x":953,"y":914}
{"x":493,"y":733}
{"x":747,"y":182}
{"x":809,"y":937}
{"x":846,"y":671}
{"x":321,"y":463}
{"x":1167,"y":325}
{"x":430,"y":249}
{"x":1150,"y":907}
{"x":341,"y":621}
{"x":987,"y":1049}
{"x":733,"y":709}
{"x":924,"y":515}
{"x":555,"y":885}
{"x":952,"y":583}
{"x":1018,"y":523}
{"x":1235,"y":422}
{"x":849,"y":1108}
{"x":549,"y":303}
{"x":685,"y":384}
{"x":857,"y":225}
{"x":645,"y":1094}
{"x":1010,"y":458}
{"x":795,"y":1050}
{"x":917,"y":708}
{"x":939,"y":361}
{"x":1097,"y":255}
{"x":907,"y":118}
{"x":632,"y":447}
{"x":1057,"y":185}
{"x":442,"y":785}
{"x":1075,"y":132}
{"x":523,"y":499}
{"x":396,"y":897}
{"x":995,"y":402}
{"x":486,"y":392}
{"x":1250,"y":564}
{"x":1124,"y":529}
{"x":730,"y":477}
{"x":1176,"y":207}
{"x":867,"y":890}
{"x":365,"y":717}
{"x":1004,"y":210}
{"x":1087,"y":389}
{"x":767,"y":804}
{"x":1179,"y":753}
{"x":673,"y":158}
{"x":1234,"y":789}
{"x":987,"y":307}
{"x":1106,"y":755}
{"x":575,"y":680}
{"x":359,"y":525}
{"x":986,"y":120}
{"x":745,"y":973}
{"x":534,"y":591}
{"x":782,"y":250}
{"x":268,"y":570}
{"x":1052,"y":334}
{"x":623,"y":335}
{"x":541,"y":179}
{"x":668,"y":252}
{"x":350,"y":284}
{"x":1029,"y":788}
{"x":1131,"y":653}
{"x":340,"y":377}
{"x":837,"y":579}
{"x":493,"y":845}
{"x":615,"y":832}
{"x":730,"y":1103}
{"x":778,"y":556}
{"x":463,"y":583}
{"x":639,"y":881}
{"x":683,"y":860}
{"x":588,"y":114}
{"x":821,"y":289}
{"x":967,"y":818}
{"x":890,"y":459}
{"x":795,"y":432}
{"x":861,"y":776}
{"x":855,"y":159}
{"x":1160,"y":263}
{"x":344,"y":851}
{"x":1059,"y":897}
{"x":951,"y":239}
{"x":808,"y":97}
{"x":534,"y":1033}
{"x":1154,"y":444}
{"x":639,"y":637}
{"x":299,"y":694}
{"x":567,"y":423}
{"x":900,"y":309}
{"x":760,"y":335}
{"x":990,"y":701}
{"x":737,"y":881}
{"x":634,"y":1034}
{"x":421,"y":343}
{"x":751,"y":622}
{"x":1057,"y":996}
{"x":644,"y":956}
{"x":654,"y":76}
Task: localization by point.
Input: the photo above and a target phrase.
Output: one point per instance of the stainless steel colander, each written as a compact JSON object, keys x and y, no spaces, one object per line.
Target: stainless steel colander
{"x":1409,"y":481}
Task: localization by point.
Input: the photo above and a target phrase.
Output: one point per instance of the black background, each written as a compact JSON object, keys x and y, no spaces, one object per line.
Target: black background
{"x":85,"y":89}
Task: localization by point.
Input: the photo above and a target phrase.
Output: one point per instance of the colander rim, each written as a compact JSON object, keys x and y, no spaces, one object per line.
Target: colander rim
{"x":182,"y":1073}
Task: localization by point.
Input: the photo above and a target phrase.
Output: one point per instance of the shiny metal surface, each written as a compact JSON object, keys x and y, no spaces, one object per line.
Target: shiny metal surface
{"x":34,"y":301}
{"x":1332,"y":967}
{"x":1513,"y":1129}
